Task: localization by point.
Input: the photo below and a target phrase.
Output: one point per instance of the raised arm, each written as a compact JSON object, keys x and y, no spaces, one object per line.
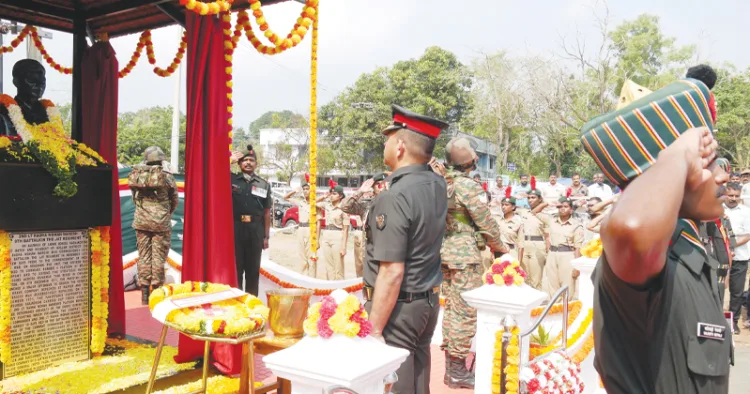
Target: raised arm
{"x":637,"y":232}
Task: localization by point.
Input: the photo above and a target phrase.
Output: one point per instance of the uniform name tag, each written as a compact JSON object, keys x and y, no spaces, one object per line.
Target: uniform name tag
{"x":711,"y":331}
{"x":262,"y":193}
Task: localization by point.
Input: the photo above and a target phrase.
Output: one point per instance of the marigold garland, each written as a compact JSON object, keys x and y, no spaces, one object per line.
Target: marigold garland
{"x":497,"y":363}
{"x":314,"y":138}
{"x":338,"y":313}
{"x":575,"y":310}
{"x":5,"y":286}
{"x":294,"y":37}
{"x":585,"y":349}
{"x":16,"y":41}
{"x":573,"y":339}
{"x":513,"y":363}
{"x":39,"y":46}
{"x":99,"y":287}
{"x":557,"y":308}
{"x":317,"y":292}
{"x":229,"y":45}
{"x":204,"y":9}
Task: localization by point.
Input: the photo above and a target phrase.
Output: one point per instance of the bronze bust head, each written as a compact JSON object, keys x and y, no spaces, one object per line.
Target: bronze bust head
{"x":29,"y":77}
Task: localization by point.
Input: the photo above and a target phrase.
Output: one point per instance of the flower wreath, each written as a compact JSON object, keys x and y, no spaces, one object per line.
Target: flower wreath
{"x":229,"y":318}
{"x":557,"y":373}
{"x":505,"y":271}
{"x":338,"y":313}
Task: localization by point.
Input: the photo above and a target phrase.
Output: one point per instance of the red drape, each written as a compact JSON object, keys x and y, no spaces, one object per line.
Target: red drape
{"x":208,"y":237}
{"x":99,"y":127}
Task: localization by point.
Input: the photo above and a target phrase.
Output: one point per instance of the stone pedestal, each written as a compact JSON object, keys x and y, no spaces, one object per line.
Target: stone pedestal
{"x":314,"y":364}
{"x":493,"y":304}
{"x":585,"y":287}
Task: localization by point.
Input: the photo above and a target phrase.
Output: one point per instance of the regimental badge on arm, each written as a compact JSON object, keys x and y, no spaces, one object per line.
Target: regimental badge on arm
{"x":381,"y":221}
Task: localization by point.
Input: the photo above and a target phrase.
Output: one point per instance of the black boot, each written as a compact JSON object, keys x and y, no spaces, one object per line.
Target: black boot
{"x":458,"y":376}
{"x":145,"y":292}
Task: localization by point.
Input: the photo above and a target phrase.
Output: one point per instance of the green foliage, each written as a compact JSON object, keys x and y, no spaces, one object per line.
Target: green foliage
{"x":541,"y":337}
{"x":275,"y":119}
{"x":436,"y":84}
{"x":147,"y":127}
{"x":733,"y":119}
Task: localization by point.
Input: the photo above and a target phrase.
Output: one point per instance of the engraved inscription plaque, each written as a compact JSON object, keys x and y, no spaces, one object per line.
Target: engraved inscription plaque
{"x":50,"y":300}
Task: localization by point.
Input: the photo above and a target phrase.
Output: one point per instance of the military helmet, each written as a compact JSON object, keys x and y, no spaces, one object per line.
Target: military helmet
{"x":154,"y":154}
{"x":460,"y":151}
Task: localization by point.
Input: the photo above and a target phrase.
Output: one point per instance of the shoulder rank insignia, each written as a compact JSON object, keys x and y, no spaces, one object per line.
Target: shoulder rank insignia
{"x":380,"y":220}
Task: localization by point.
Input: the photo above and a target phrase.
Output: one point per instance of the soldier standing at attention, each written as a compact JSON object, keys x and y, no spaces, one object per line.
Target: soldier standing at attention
{"x":301,"y":198}
{"x":251,"y":207}
{"x":534,"y":247}
{"x":511,"y":226}
{"x":469,"y":227}
{"x":405,"y":228}
{"x":153,"y":220}
{"x":335,"y":235}
{"x":358,"y":204}
{"x":565,"y":241}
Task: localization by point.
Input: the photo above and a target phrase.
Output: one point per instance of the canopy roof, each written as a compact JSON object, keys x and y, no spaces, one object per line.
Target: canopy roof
{"x":114,"y":17}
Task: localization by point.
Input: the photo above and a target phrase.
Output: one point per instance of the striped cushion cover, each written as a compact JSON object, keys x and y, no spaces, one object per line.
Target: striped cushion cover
{"x":626,"y":142}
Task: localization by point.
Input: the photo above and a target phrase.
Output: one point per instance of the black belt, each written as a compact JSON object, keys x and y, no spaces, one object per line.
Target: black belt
{"x":304,"y":224}
{"x":534,"y":238}
{"x":403,"y":296}
{"x":561,"y":248}
{"x":511,"y":246}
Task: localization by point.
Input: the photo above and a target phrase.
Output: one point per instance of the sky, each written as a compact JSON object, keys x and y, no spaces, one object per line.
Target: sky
{"x":357,"y":36}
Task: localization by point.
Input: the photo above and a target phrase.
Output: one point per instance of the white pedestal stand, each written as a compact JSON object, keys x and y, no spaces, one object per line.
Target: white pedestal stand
{"x":314,"y":364}
{"x":494,"y":304}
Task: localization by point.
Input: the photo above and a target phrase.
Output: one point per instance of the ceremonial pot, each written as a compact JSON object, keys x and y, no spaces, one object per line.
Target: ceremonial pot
{"x":288,"y":311}
{"x":27,"y":202}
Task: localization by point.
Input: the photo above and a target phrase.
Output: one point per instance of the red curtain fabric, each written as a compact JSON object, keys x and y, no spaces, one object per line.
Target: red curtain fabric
{"x":209,"y":236}
{"x":99,"y":128}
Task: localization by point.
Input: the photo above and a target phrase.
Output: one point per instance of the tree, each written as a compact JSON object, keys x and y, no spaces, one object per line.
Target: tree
{"x":732,"y":92}
{"x":436,"y":85}
{"x":268,"y":119}
{"x":147,"y":127}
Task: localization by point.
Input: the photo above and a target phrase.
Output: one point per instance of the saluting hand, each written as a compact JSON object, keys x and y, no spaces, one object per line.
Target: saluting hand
{"x":236,"y":156}
{"x":367,"y":186}
{"x":697,"y":147}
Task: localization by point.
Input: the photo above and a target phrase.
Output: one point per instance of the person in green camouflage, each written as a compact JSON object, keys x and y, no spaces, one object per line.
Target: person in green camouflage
{"x":152,"y":223}
{"x":469,"y":227}
{"x":358,"y":204}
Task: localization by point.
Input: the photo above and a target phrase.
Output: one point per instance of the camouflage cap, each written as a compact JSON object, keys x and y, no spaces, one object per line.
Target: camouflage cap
{"x":154,"y":154}
{"x":461,"y":150}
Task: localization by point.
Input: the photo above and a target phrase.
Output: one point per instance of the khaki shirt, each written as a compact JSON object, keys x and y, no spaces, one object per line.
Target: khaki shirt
{"x":567,"y":233}
{"x":511,"y":231}
{"x":533,"y":225}
{"x":304,"y":208}
{"x":335,"y":216}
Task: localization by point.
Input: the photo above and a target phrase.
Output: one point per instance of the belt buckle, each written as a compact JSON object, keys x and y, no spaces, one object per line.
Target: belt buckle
{"x":246,"y":218}
{"x":367,"y":292}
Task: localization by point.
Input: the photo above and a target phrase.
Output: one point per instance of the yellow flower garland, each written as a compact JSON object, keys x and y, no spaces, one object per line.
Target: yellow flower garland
{"x":575,"y":310}
{"x":99,"y":287}
{"x":497,"y":363}
{"x":5,"y":297}
{"x":229,"y":46}
{"x":314,"y":136}
{"x":513,"y":363}
{"x":214,"y":385}
{"x":573,"y":339}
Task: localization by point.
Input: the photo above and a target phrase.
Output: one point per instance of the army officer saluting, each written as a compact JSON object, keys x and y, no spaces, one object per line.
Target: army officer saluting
{"x":405,"y":229}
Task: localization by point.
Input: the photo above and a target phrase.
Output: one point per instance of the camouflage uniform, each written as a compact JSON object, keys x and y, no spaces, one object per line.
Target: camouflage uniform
{"x":462,"y":259}
{"x":153,"y":229}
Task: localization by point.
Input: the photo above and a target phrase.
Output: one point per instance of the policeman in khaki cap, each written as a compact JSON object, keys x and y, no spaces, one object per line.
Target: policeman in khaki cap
{"x":404,"y":231}
{"x":659,"y":325}
{"x":469,"y":228}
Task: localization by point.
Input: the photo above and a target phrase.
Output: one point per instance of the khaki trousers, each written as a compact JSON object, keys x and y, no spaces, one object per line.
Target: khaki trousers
{"x":558,"y":272}
{"x":534,"y":258}
{"x":307,"y":267}
{"x":330,"y":248}
{"x":359,"y":252}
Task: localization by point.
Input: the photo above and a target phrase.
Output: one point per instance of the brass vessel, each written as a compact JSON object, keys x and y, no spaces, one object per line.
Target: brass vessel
{"x":288,"y":311}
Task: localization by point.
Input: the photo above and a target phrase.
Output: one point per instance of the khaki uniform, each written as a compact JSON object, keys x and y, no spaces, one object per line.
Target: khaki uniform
{"x":359,"y":207}
{"x":153,"y":230}
{"x":331,"y":241}
{"x":462,"y":259}
{"x":359,"y":247}
{"x":534,"y":247}
{"x":307,"y":267}
{"x":564,"y":239}
{"x":511,"y":233}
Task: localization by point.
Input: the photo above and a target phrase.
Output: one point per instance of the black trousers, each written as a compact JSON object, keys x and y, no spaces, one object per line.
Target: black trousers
{"x":248,"y":246}
{"x":410,"y":327}
{"x":737,"y":275}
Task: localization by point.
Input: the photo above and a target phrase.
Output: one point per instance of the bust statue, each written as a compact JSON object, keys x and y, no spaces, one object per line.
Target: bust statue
{"x":29,"y":77}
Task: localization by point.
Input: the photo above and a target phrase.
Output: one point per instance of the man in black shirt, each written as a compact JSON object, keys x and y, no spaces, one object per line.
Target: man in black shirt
{"x":658,"y":320}
{"x":405,"y":228}
{"x":251,"y":208}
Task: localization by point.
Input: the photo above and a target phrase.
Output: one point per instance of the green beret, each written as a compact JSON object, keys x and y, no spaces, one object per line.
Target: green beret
{"x":338,"y":189}
{"x":565,"y":199}
{"x":250,"y":152}
{"x":509,"y":200}
{"x":535,"y":192}
{"x":626,"y":142}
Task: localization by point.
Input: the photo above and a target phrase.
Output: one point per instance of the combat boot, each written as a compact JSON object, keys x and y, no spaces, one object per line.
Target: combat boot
{"x":458,"y":376}
{"x":145,"y":292}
